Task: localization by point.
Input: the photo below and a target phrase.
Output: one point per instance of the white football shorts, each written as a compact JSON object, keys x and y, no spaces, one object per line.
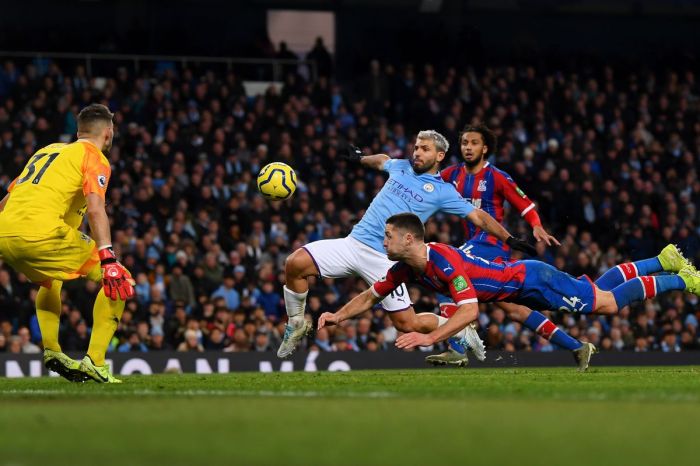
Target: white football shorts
{"x":343,"y":257}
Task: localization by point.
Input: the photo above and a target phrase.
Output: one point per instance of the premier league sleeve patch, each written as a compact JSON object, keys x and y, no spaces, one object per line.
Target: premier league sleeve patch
{"x":460,"y":283}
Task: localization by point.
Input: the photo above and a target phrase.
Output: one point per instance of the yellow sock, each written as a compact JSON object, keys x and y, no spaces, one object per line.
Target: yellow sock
{"x":106,"y":315}
{"x":48,"y":312}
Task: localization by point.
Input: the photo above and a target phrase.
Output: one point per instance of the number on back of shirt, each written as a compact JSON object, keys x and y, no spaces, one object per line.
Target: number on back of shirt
{"x":31,"y":167}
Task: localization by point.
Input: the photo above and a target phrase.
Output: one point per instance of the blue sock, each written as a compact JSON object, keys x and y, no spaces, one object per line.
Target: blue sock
{"x":627,"y":271}
{"x":544,"y":327}
{"x":645,"y":287}
{"x":456,"y":345}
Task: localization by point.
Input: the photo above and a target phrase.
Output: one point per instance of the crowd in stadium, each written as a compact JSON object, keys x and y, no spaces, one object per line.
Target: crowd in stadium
{"x":610,"y":159}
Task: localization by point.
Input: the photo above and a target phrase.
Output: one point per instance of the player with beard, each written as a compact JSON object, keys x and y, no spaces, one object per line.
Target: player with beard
{"x":413,"y":186}
{"x":488,"y":188}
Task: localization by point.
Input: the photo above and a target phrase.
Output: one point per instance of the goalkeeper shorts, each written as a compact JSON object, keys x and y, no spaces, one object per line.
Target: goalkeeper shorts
{"x":67,"y":255}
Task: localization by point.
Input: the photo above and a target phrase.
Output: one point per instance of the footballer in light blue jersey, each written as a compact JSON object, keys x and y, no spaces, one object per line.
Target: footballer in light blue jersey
{"x":414,"y":187}
{"x":422,"y":194}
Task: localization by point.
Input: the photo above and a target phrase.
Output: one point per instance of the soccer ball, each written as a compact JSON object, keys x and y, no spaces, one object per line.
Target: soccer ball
{"x":277,"y":181}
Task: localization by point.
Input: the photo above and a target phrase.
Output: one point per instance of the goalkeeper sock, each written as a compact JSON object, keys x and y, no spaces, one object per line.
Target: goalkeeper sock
{"x":295,"y":303}
{"x":627,"y":271}
{"x":545,"y":328}
{"x":48,"y":313}
{"x":106,"y":315}
{"x":645,"y":287}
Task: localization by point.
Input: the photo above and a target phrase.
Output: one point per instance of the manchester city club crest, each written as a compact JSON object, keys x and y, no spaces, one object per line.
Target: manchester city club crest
{"x":428,"y":187}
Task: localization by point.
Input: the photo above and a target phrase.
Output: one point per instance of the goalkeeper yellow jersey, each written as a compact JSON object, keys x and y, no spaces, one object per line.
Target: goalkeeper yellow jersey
{"x":51,"y":190}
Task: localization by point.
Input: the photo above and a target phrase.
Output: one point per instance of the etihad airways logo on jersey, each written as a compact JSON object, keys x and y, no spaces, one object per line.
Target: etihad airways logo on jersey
{"x":406,"y":193}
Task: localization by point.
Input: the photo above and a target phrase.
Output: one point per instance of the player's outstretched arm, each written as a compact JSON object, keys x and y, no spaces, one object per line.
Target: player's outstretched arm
{"x":489,"y":224}
{"x":354,"y":154}
{"x":465,"y":315}
{"x":359,"y":304}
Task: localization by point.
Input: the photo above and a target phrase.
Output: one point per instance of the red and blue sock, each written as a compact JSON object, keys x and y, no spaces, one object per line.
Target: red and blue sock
{"x":627,"y":271}
{"x":647,"y":287}
{"x":545,"y":328}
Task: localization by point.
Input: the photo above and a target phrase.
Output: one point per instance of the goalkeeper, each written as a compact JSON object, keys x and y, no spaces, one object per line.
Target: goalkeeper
{"x":39,"y":237}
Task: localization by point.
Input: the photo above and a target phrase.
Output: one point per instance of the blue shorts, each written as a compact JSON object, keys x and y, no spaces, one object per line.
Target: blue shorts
{"x":488,"y":251}
{"x":546,"y":287}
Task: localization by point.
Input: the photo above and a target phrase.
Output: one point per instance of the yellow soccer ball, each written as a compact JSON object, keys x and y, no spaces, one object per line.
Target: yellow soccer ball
{"x":277,"y":181}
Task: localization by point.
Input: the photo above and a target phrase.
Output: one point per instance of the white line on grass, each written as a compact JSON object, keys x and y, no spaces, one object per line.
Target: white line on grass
{"x":188,"y":393}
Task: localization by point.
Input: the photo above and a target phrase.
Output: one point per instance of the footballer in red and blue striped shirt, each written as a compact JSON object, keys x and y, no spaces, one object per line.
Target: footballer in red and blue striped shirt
{"x":469,"y":279}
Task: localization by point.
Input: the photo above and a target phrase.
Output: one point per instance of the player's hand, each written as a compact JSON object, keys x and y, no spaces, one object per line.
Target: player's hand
{"x":541,"y":234}
{"x":352,"y":153}
{"x":413,"y":339}
{"x":327,"y":319}
{"x":521,"y":245}
{"x":116,"y":280}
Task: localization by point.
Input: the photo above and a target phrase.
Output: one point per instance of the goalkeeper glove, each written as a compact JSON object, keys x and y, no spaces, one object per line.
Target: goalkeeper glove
{"x":116,"y":280}
{"x":520,"y":245}
{"x":352,"y":153}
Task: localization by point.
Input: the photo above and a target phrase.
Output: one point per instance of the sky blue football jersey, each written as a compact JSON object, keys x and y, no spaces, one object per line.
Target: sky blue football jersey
{"x":407,"y":191}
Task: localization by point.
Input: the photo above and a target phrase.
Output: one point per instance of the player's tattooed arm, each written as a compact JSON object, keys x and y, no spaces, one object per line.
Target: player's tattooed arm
{"x":359,"y":304}
{"x":489,"y":224}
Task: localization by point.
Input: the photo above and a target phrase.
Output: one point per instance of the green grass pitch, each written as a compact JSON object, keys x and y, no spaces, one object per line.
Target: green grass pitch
{"x":608,"y":416}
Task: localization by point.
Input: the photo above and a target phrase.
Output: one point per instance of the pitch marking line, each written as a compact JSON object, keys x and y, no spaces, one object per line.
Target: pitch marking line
{"x":189,"y":393}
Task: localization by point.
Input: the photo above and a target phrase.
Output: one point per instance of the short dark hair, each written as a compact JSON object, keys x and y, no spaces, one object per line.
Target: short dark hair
{"x":409,"y":222}
{"x":489,"y":137}
{"x":93,"y":113}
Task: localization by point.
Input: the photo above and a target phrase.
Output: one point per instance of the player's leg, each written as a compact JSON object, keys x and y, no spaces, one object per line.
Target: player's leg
{"x":545,"y":328}
{"x":647,"y":287}
{"x":42,"y":262}
{"x":326,"y":258}
{"x":456,"y":353}
{"x":298,"y":268}
{"x":540,"y":324}
{"x":459,"y":344}
{"x":669,"y":260}
{"x":106,"y":315}
{"x":48,"y":313}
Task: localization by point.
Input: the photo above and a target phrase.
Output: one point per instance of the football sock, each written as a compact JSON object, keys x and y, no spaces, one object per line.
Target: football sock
{"x":295,"y":303}
{"x":48,"y":313}
{"x":645,"y":287}
{"x":454,"y":340}
{"x":627,"y":271}
{"x":447,"y":309}
{"x":545,"y":328}
{"x":106,"y":315}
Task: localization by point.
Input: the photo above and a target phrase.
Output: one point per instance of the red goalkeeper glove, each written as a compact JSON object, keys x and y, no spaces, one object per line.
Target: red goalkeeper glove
{"x":116,"y":280}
